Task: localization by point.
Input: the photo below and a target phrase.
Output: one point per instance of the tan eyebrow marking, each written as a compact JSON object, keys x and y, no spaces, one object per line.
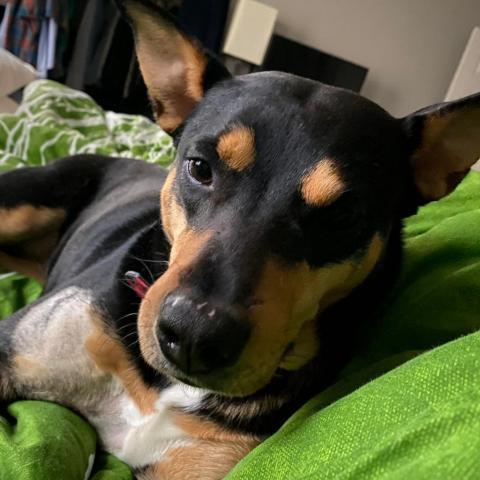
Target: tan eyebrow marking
{"x":236,"y":147}
{"x":322,"y":185}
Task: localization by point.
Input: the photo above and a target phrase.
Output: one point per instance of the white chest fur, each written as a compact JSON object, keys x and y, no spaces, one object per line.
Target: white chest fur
{"x":141,"y":439}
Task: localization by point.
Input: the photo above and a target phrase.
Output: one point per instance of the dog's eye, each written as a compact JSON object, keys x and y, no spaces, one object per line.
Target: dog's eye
{"x":200,"y":170}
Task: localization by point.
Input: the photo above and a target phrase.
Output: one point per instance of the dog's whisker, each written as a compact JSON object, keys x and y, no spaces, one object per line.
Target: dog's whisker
{"x":161,"y":262}
{"x":126,"y":315}
{"x":152,"y":276}
{"x":132,"y":344}
{"x":129,"y":335}
{"x":119,"y":330}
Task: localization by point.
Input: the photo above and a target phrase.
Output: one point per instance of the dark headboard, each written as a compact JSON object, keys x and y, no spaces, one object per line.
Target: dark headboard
{"x":288,"y":56}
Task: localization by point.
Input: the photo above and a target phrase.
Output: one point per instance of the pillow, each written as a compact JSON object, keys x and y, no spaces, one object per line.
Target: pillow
{"x":14,"y":74}
{"x":7,"y":105}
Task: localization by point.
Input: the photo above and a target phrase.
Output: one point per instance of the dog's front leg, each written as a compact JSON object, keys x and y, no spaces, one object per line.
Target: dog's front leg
{"x":207,"y":451}
{"x":43,"y":350}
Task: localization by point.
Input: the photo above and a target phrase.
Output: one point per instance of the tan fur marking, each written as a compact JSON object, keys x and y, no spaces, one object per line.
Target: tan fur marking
{"x":110,"y":356}
{"x":236,"y":147}
{"x":27,"y":366}
{"x":185,"y":249}
{"x":289,"y":302}
{"x":33,"y":231}
{"x":173,"y":216}
{"x":213,"y":453}
{"x":20,"y":223}
{"x":195,"y":66}
{"x":322,"y":185}
{"x":202,"y":429}
{"x":304,"y":348}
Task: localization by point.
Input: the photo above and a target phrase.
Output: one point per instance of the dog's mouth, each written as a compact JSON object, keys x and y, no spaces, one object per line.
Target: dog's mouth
{"x":203,"y":382}
{"x":245,"y":377}
{"x":279,"y":343}
{"x":229,"y":382}
{"x":293,"y":357}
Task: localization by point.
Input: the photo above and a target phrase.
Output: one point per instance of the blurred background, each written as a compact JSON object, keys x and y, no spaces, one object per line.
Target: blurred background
{"x":403,"y":54}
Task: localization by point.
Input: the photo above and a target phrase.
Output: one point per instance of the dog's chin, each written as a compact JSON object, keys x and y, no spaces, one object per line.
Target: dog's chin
{"x":230,"y":382}
{"x":234,"y":385}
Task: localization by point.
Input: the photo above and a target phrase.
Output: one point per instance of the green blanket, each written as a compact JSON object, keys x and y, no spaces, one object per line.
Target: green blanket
{"x":419,"y":420}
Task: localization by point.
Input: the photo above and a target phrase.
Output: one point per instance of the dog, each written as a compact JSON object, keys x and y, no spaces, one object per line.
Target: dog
{"x":279,"y":229}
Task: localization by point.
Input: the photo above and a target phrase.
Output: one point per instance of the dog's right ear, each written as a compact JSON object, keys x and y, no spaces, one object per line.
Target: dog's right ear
{"x":445,"y":143}
{"x":176,"y":70}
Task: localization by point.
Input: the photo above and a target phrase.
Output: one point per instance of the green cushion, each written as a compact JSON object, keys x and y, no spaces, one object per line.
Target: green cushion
{"x":26,"y":455}
{"x":16,"y":292}
{"x":45,"y":441}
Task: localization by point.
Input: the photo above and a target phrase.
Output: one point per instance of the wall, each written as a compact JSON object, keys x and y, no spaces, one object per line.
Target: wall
{"x":412,"y":47}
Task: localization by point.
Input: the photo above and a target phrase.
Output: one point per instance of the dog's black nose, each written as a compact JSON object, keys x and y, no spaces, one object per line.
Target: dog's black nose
{"x":199,"y":337}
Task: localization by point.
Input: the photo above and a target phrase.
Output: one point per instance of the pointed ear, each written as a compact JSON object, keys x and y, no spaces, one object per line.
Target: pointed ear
{"x":445,"y":142}
{"x":176,"y":70}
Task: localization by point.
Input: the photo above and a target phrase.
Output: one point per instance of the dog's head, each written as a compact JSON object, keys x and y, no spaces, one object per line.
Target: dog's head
{"x":279,"y":204}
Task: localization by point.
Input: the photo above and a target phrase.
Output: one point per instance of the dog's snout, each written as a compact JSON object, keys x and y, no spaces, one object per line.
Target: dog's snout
{"x":199,"y":337}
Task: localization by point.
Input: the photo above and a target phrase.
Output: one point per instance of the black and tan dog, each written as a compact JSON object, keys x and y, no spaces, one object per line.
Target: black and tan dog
{"x":280,"y":228}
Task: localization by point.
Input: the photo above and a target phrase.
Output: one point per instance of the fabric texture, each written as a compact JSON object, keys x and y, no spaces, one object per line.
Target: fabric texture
{"x":24,"y":453}
{"x":402,"y":409}
{"x":55,"y":121}
{"x":23,"y":29}
{"x":45,"y":441}
{"x":98,"y":19}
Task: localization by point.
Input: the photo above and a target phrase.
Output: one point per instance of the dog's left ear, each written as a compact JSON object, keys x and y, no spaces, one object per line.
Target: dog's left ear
{"x":445,"y":143}
{"x":176,"y":70}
